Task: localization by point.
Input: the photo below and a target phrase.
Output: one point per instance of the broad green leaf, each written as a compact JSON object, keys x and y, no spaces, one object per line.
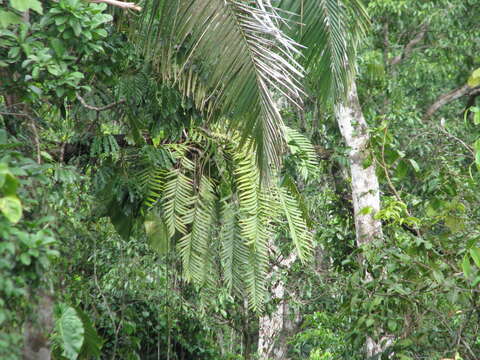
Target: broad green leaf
{"x":466,"y":266}
{"x":25,"y":259}
{"x":475,"y":254}
{"x":369,"y":322}
{"x":401,"y":170}
{"x":366,"y":210}
{"x":92,"y":343}
{"x":69,"y":331}
{"x":415,"y":165}
{"x":454,"y":223}
{"x":11,"y":208}
{"x":8,"y":18}
{"x":24,"y":5}
{"x":77,"y":27}
{"x":101,"y":32}
{"x":10,"y":184}
{"x":474,"y":79}
{"x":476,"y":114}
{"x":392,"y":325}
{"x":58,"y":47}
{"x":3,"y":137}
{"x":476,"y":145}
{"x":3,"y":173}
{"x":157,"y":234}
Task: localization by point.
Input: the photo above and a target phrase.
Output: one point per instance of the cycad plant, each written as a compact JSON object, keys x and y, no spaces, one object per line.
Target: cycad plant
{"x":205,"y":198}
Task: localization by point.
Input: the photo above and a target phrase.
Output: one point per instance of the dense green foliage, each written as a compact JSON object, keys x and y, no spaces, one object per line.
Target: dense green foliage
{"x":157,"y":170}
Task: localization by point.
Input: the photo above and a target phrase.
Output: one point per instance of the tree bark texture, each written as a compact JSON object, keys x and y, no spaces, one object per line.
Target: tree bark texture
{"x":274,"y":329}
{"x":365,"y":188}
{"x":37,"y":331}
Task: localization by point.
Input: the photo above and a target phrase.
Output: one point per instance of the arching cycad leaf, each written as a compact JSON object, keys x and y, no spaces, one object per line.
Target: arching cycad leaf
{"x":177,"y":200}
{"x":299,"y":231}
{"x":234,"y":252}
{"x":194,"y":246}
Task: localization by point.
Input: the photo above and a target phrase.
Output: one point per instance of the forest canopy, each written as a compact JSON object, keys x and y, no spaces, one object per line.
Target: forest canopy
{"x":229,"y":179}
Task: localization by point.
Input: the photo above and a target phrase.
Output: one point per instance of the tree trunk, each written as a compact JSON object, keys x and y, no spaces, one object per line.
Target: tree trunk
{"x":274,"y":329}
{"x":36,"y":333}
{"x":364,"y":182}
{"x":365,"y":188}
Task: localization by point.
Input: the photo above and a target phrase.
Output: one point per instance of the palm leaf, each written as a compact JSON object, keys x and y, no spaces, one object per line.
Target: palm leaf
{"x":234,"y":251}
{"x":299,"y":232}
{"x":306,"y":156}
{"x":177,"y":200}
{"x":330,"y":31}
{"x":229,"y":56}
{"x":194,"y":246}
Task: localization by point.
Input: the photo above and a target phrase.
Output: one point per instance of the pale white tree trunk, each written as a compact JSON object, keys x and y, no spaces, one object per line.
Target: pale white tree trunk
{"x":274,"y":329}
{"x":364,"y":182}
{"x":365,"y":188}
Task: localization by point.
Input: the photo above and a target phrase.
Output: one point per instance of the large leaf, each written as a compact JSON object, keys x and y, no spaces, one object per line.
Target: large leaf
{"x":229,"y":56}
{"x":330,"y":31}
{"x":475,"y":254}
{"x":92,"y":344}
{"x":157,"y":233}
{"x":301,"y":236}
{"x":194,"y":246}
{"x":69,"y":331}
{"x":234,"y":253}
{"x":24,"y":5}
{"x":474,"y":79}
{"x":11,"y":208}
{"x":8,"y":18}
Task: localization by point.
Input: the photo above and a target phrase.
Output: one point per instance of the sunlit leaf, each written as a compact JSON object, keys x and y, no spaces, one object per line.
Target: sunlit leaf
{"x":11,"y":208}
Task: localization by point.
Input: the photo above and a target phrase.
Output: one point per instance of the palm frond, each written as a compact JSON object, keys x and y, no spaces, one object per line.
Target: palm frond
{"x":177,"y":198}
{"x":234,"y":251}
{"x":194,"y":246}
{"x":330,"y":31}
{"x":306,"y":156}
{"x":230,"y":224}
{"x":255,"y":275}
{"x":152,"y":179}
{"x":248,"y":188}
{"x":228,"y":55}
{"x":299,"y":232}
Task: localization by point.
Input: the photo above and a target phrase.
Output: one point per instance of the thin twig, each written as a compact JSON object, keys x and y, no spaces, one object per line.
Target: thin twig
{"x":120,"y":4}
{"x":35,"y":139}
{"x":465,"y":145}
{"x":390,"y":183}
{"x":409,"y":47}
{"x":98,"y":108}
{"x":447,"y":98}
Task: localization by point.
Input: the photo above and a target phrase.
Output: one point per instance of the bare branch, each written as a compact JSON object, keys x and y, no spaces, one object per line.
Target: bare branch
{"x":98,"y":108}
{"x":35,"y":139}
{"x":120,"y":4}
{"x":449,"y":97}
{"x":450,"y":135}
{"x":408,"y":49}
